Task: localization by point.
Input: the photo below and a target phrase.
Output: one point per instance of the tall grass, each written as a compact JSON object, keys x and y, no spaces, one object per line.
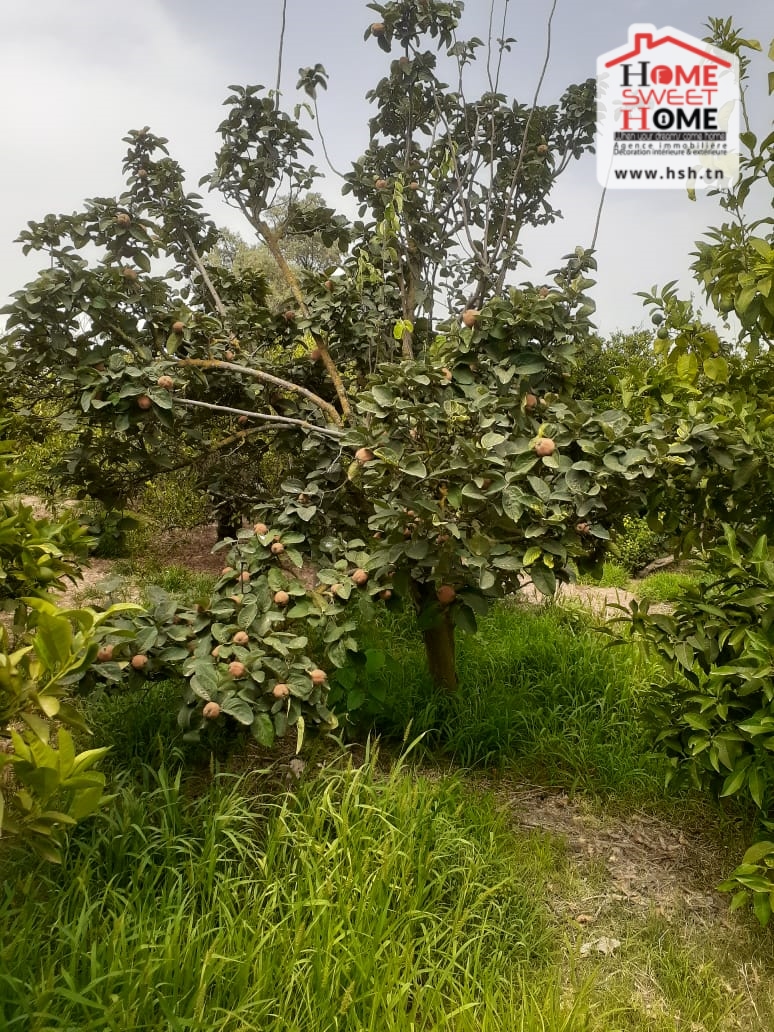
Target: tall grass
{"x":358,"y":903}
{"x":539,"y":689}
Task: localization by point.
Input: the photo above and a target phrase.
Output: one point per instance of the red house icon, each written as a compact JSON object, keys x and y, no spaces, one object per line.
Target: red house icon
{"x":645,"y":41}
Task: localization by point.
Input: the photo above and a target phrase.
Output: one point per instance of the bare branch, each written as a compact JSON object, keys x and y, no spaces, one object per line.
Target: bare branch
{"x":292,"y":281}
{"x":267,"y":417}
{"x":259,"y":374}
{"x":520,"y":162}
{"x":280,"y":49}
{"x":220,"y":307}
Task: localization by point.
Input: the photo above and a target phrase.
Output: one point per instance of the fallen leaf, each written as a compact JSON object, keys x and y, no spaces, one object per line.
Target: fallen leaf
{"x":604,"y":945}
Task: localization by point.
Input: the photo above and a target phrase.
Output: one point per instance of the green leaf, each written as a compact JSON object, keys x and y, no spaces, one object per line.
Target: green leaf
{"x":762,"y":907}
{"x":757,"y":852}
{"x":415,"y":468}
{"x":238,"y":709}
{"x":513,"y":503}
{"x":262,"y":729}
{"x":734,"y":781}
{"x":540,"y":487}
{"x":543,"y":579}
{"x":716,"y":369}
{"x":532,"y":555}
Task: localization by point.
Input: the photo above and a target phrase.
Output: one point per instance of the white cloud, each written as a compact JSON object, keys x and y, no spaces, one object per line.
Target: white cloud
{"x":75,"y":77}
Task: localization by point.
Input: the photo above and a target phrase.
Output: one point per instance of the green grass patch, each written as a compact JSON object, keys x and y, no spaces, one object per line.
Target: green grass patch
{"x":610,"y":574}
{"x":664,"y":586}
{"x":358,"y":903}
{"x":184,"y":584}
{"x":539,"y":690}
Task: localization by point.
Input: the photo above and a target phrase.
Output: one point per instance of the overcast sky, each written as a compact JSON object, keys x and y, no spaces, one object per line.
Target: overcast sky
{"x":76,"y":75}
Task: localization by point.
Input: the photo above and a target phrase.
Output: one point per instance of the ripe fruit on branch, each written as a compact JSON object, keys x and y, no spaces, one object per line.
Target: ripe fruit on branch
{"x":211,"y":711}
{"x":216,"y":651}
{"x":385,"y":595}
{"x":237,"y":669}
{"x":336,"y":588}
{"x":144,"y":402}
{"x":241,"y":638}
{"x":166,"y":383}
{"x":446,"y":594}
{"x":544,"y":292}
{"x":229,"y":356}
{"x":413,"y":186}
{"x":542,"y":149}
{"x":583,"y":528}
{"x":244,"y":576}
{"x":129,"y":273}
{"x":530,"y":402}
{"x":139,"y":662}
{"x":377,"y":28}
{"x":261,"y":528}
{"x":281,"y":598}
{"x":226,"y":571}
{"x":289,"y":315}
{"x":315,"y":355}
{"x":363,"y":455}
{"x":280,"y":690}
{"x":545,"y":446}
{"x":360,"y":577}
{"x":381,"y":184}
{"x":318,"y":676}
{"x":142,"y":173}
{"x":470,"y":317}
{"x":122,"y":219}
{"x":178,"y":327}
{"x":243,"y":420}
{"x":277,"y":548}
{"x":447,"y":373}
{"x":105,"y":654}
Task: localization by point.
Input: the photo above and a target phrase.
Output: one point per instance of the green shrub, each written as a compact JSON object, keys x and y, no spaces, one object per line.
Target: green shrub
{"x":36,"y":555}
{"x":52,"y":787}
{"x":111,"y":529}
{"x":634,"y":544}
{"x":174,"y":501}
{"x":715,"y":712}
{"x":716,"y":716}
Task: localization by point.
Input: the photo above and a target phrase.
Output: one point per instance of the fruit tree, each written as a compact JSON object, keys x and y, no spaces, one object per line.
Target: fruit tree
{"x":414,"y":405}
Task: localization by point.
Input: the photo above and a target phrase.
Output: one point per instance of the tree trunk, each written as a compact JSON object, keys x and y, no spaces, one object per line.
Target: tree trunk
{"x":439,"y":646}
{"x":229,"y":520}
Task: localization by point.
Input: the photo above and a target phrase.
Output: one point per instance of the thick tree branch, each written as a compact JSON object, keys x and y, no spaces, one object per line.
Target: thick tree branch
{"x":291,"y":279}
{"x":259,"y":374}
{"x":268,"y":417}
